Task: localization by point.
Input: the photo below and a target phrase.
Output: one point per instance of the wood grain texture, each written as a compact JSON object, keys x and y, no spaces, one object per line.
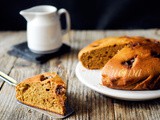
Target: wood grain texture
{"x":88,"y":104}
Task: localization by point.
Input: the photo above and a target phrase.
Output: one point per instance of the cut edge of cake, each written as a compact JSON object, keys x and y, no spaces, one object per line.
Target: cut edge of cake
{"x":96,"y":59}
{"x":96,"y":54}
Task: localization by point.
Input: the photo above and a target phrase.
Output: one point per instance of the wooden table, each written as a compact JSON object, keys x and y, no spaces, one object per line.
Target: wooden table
{"x":88,"y":104}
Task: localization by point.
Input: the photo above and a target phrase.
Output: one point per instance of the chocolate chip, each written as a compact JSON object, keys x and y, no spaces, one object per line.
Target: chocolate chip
{"x":110,"y":56}
{"x":89,"y":57}
{"x":47,"y":89}
{"x":134,"y":44}
{"x":114,"y":45}
{"x":60,"y":90}
{"x":155,"y":54}
{"x":129,"y":63}
{"x":148,"y":40}
{"x":42,"y":77}
{"x":25,"y":87}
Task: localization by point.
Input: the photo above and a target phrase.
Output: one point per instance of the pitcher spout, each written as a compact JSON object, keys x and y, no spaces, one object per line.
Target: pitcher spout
{"x":27,"y":15}
{"x":42,"y":10}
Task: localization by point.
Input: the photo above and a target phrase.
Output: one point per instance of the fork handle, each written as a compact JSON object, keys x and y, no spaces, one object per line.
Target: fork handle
{"x":7,"y":79}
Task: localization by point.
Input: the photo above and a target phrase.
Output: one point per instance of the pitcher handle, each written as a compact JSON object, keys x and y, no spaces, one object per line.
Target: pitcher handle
{"x":68,"y":21}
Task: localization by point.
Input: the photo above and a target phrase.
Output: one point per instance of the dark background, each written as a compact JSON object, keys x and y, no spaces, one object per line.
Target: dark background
{"x":88,"y":14}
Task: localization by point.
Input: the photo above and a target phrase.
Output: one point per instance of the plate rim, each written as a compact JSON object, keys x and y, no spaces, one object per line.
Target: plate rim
{"x":124,"y":92}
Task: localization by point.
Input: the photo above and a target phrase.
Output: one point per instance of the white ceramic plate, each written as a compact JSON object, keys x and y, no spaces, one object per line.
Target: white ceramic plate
{"x":92,"y":79}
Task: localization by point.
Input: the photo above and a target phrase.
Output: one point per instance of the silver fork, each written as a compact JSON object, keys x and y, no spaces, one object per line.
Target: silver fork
{"x":8,"y":79}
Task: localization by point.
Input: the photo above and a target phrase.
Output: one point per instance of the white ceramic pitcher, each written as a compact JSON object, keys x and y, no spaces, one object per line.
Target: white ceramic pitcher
{"x":44,"y":34}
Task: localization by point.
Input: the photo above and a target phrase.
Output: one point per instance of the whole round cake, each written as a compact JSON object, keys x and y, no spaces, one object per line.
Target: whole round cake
{"x":135,"y":66}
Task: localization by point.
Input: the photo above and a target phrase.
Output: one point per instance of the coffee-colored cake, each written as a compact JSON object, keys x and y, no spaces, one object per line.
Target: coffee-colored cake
{"x":46,"y":91}
{"x":128,"y":63}
{"x":96,"y":54}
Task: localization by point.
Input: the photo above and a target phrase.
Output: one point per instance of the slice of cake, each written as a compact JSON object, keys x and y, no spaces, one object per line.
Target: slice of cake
{"x":96,"y":55}
{"x":45,"y":91}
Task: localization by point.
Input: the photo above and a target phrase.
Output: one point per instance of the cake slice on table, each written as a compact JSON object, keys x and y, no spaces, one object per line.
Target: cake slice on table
{"x":45,"y":91}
